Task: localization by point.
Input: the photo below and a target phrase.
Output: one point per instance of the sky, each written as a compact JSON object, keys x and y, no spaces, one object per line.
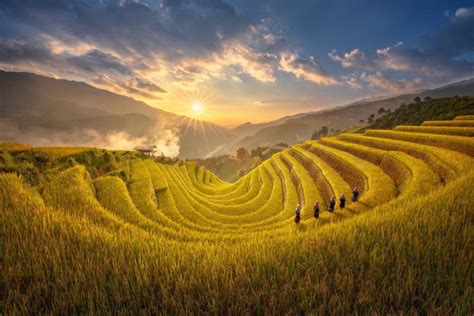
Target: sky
{"x":242,"y":60}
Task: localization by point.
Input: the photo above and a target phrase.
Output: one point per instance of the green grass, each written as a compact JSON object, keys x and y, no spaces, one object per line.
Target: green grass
{"x":432,"y":109}
{"x":14,"y":147}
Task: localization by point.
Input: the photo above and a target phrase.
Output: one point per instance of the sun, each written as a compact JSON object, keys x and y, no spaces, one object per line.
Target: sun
{"x":197,"y":107}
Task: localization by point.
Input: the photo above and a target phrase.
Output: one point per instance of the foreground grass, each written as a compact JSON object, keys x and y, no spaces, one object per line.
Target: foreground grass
{"x":411,"y":256}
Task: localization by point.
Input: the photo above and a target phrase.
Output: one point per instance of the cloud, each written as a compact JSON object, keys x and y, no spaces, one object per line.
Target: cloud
{"x":257,"y":65}
{"x":164,"y":140}
{"x":19,"y":50}
{"x":148,"y":85}
{"x":129,"y":46}
{"x":429,"y":67}
{"x":103,"y":69}
{"x":176,"y":28}
{"x":401,"y":58}
{"x":385,"y":82}
{"x":236,"y":57}
{"x":354,"y":59}
{"x":464,"y":13}
{"x":135,"y":87}
{"x":352,"y":80}
{"x":98,"y":61}
{"x":124,"y":40}
{"x":440,"y":60}
{"x":455,"y":37}
{"x":167,"y":143}
{"x":308,"y":69}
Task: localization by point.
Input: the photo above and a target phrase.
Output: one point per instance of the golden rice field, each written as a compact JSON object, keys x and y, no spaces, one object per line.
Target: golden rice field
{"x":154,"y":238}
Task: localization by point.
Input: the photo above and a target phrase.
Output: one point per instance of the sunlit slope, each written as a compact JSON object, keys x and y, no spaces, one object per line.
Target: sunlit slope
{"x":176,"y":234}
{"x":189,"y":203}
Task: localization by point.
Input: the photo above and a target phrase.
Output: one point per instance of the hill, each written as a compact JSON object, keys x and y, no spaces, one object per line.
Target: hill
{"x":248,"y":128}
{"x":228,"y":168}
{"x":429,"y":109}
{"x":297,"y":128}
{"x":46,"y":111}
{"x":92,"y":230}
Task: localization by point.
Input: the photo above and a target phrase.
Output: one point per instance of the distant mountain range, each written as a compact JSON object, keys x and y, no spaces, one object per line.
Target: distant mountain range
{"x":299,"y":127}
{"x":45,"y":111}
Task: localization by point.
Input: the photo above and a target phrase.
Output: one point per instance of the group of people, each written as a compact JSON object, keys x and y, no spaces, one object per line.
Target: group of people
{"x":331,"y":206}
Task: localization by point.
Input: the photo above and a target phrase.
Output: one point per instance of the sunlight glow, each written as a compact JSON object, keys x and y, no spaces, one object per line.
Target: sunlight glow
{"x":197,"y":107}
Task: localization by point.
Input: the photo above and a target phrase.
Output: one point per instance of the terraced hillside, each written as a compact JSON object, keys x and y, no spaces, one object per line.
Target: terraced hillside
{"x":150,"y":237}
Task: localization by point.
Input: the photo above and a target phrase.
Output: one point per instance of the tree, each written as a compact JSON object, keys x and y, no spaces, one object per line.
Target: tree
{"x":370,"y":119}
{"x":361,"y":121}
{"x":427,"y":98}
{"x":381,"y":111}
{"x":258,"y":152}
{"x":242,"y":153}
{"x":417,"y":99}
{"x":323,"y":131}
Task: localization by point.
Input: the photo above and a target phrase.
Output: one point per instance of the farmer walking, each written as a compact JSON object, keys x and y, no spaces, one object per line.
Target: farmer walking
{"x":332,"y":204}
{"x":342,"y":201}
{"x":355,"y":194}
{"x":316,"y":209}
{"x":297,"y":214}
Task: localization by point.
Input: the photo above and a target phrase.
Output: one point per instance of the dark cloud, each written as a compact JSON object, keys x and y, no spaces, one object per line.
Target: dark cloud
{"x":177,"y":28}
{"x":138,"y":92}
{"x":456,"y":37}
{"x":125,"y":39}
{"x":97,"y":61}
{"x":188,"y":42}
{"x":439,"y":60}
{"x":149,"y":86}
{"x":136,"y":87}
{"x":18,"y":50}
{"x":94,"y":61}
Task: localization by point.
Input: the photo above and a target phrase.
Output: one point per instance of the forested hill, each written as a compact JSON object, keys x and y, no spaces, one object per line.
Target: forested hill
{"x":428,"y":109}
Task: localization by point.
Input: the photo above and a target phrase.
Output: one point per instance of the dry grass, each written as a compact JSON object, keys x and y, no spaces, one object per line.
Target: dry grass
{"x":164,"y":239}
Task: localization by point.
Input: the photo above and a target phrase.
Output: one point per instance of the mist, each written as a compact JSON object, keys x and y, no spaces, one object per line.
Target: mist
{"x":164,"y":141}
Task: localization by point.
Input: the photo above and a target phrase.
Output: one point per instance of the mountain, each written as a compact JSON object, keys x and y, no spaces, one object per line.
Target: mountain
{"x":300,"y":127}
{"x":439,"y":109}
{"x":46,"y":111}
{"x":248,"y":128}
{"x":201,"y":137}
{"x":23,"y":92}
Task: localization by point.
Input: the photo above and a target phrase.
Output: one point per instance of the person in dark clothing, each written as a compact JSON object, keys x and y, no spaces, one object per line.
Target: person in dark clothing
{"x":316,"y":209}
{"x":342,"y":201}
{"x":355,"y":194}
{"x":297,"y":214}
{"x":332,"y":204}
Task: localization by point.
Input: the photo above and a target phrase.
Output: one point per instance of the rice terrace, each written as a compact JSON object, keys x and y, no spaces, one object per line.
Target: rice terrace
{"x":110,"y":205}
